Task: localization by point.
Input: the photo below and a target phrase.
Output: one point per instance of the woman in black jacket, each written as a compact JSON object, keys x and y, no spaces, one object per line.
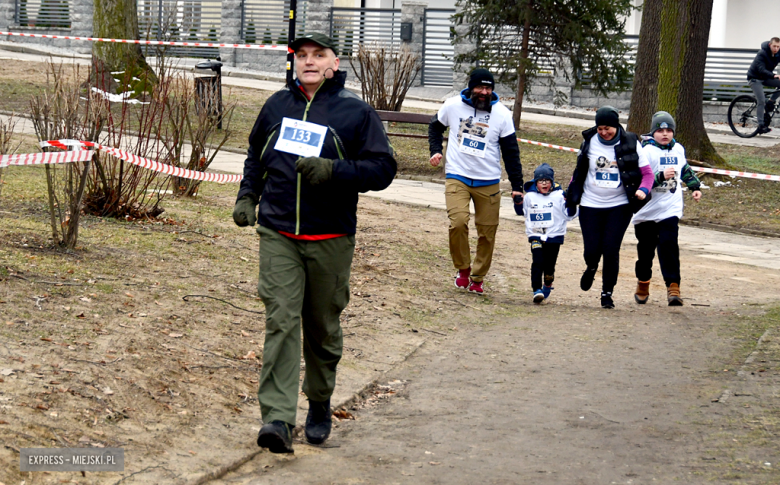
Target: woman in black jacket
{"x":612,"y":180}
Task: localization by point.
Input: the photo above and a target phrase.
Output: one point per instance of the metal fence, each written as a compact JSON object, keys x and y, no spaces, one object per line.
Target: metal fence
{"x":267,"y":21}
{"x":438,"y":51}
{"x":42,"y":13}
{"x":350,"y":27}
{"x":180,"y":21}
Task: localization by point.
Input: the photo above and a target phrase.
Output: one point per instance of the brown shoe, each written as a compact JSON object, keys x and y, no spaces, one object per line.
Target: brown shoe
{"x":673,"y":295}
{"x":642,"y":292}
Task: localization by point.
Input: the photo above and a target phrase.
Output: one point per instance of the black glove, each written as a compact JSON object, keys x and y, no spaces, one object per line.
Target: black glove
{"x":316,"y":170}
{"x":518,"y":200}
{"x":245,"y":211}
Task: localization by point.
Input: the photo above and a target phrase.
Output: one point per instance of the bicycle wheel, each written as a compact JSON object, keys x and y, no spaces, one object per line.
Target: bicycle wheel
{"x":742,"y":116}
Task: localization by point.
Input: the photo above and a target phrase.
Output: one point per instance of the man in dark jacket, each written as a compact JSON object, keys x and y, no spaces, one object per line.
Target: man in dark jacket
{"x":313,"y":148}
{"x":762,"y":73}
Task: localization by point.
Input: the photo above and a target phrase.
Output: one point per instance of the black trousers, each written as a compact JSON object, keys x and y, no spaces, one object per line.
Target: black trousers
{"x":545,"y":255}
{"x":602,"y":235}
{"x":663,"y":236}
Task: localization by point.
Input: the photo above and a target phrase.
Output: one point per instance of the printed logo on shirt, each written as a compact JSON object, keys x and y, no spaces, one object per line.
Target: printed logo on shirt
{"x":607,"y":174}
{"x":474,"y":128}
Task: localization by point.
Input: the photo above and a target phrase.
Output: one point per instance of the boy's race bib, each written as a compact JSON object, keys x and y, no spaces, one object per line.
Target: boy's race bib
{"x":473,"y":145}
{"x":301,"y":138}
{"x":540,"y":218}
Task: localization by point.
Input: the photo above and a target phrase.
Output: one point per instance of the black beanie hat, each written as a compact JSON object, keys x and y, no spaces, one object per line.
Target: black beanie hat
{"x":607,"y":116}
{"x":481,"y":77}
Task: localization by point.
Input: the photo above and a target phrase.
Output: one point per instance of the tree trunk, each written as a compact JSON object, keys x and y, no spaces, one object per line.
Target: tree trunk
{"x":115,"y":19}
{"x":522,"y":77}
{"x":644,"y":96}
{"x":689,"y":36}
{"x":670,"y":72}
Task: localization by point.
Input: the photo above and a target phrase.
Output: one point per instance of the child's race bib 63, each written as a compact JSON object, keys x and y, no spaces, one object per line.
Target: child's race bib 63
{"x":540,"y":218}
{"x":301,"y":138}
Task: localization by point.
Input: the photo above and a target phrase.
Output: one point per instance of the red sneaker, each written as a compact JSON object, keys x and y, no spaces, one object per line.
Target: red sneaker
{"x":476,"y":287}
{"x":462,"y":280}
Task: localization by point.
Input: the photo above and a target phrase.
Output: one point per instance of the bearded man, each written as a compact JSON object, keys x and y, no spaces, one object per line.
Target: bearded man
{"x":481,"y":132}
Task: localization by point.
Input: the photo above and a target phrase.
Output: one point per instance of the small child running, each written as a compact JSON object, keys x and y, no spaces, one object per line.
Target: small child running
{"x":544,"y":208}
{"x":657,"y":223}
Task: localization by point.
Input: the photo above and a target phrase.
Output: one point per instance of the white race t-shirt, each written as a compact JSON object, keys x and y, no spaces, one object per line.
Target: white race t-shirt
{"x":603,"y":188}
{"x":667,"y":198}
{"x":472,"y":148}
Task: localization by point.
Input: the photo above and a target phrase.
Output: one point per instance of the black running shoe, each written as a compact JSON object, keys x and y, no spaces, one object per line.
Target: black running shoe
{"x":276,"y":436}
{"x":318,"y":422}
{"x":606,"y":300}
{"x":587,"y":279}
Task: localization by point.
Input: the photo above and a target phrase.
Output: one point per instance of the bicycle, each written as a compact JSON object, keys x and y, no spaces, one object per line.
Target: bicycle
{"x":742,"y":115}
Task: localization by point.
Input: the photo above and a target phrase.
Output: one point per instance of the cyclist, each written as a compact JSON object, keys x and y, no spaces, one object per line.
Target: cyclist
{"x":762,"y":73}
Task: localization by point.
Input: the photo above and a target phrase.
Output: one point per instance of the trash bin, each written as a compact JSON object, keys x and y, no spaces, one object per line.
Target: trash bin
{"x":208,"y":88}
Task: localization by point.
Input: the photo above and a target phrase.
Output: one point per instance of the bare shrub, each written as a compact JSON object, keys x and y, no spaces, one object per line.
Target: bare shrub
{"x":59,"y":114}
{"x":385,"y":73}
{"x":7,"y":127}
{"x":167,"y":129}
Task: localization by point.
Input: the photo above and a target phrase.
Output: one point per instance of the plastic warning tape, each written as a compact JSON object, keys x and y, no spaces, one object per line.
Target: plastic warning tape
{"x":154,"y":42}
{"x":86,"y":154}
{"x":733,"y":173}
{"x":549,"y":145}
{"x":45,"y":158}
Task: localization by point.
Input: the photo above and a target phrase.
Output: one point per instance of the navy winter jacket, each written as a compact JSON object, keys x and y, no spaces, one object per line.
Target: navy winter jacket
{"x":356,"y":141}
{"x":764,"y":64}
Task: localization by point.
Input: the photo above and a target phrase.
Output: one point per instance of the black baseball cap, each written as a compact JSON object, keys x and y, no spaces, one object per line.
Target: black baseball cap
{"x":321,"y":40}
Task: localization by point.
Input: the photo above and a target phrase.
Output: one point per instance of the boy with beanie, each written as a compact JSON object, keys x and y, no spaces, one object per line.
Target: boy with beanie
{"x":657,"y":223}
{"x":544,"y":208}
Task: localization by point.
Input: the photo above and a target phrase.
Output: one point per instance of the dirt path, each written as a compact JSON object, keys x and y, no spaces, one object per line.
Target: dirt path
{"x":501,"y":390}
{"x":562,"y":393}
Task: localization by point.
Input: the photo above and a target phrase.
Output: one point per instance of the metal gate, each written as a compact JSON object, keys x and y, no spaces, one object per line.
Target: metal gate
{"x":438,"y":52}
{"x":350,"y":27}
{"x":180,"y":21}
{"x":267,"y":21}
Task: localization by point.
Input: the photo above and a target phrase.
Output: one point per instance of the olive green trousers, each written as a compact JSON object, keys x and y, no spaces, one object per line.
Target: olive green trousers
{"x":304,"y":286}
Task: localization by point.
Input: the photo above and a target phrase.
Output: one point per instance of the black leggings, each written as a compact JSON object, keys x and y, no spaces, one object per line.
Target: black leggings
{"x":545,"y":255}
{"x":661,"y":235}
{"x":602,"y":235}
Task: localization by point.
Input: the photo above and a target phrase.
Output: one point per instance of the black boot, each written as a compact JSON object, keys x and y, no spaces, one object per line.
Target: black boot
{"x":276,"y":436}
{"x":318,"y":421}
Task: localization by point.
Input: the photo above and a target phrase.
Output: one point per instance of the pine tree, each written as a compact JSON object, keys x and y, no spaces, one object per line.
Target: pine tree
{"x":514,"y":37}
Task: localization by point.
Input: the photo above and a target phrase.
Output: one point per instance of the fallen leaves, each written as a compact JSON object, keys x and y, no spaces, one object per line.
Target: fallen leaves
{"x":343,"y":414}
{"x":250,"y":355}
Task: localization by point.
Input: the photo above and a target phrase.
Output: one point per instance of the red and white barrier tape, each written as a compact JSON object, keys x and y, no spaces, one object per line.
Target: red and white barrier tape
{"x":733,"y":173}
{"x":549,"y":145}
{"x":45,"y":158}
{"x":84,"y":154}
{"x":153,"y":42}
